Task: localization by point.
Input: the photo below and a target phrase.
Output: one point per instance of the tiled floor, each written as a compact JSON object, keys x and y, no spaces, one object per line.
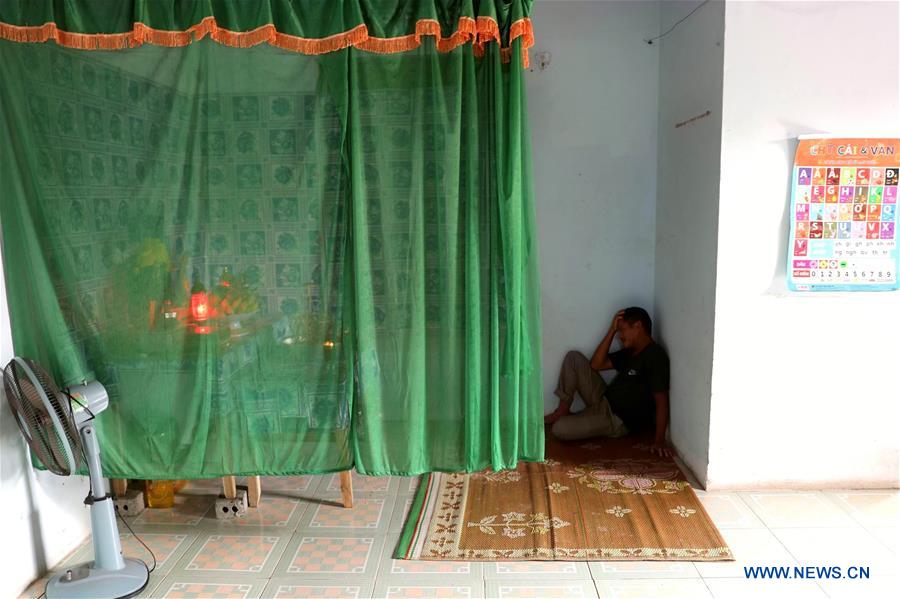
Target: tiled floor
{"x":300,"y":543}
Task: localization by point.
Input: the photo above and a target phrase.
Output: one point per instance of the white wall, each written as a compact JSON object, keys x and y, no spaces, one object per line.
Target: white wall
{"x":43,"y":515}
{"x":690,"y":83}
{"x":805,"y":388}
{"x":592,"y":115}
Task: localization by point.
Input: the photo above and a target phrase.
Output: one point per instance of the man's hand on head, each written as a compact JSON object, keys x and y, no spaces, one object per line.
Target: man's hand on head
{"x":614,"y":325}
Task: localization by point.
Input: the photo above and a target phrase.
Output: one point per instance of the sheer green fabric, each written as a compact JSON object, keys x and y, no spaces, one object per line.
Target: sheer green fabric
{"x":444,"y":263}
{"x":277,"y":263}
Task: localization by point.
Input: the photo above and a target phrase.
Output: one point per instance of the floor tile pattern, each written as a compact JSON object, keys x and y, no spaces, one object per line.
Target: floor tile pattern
{"x":301,"y":543}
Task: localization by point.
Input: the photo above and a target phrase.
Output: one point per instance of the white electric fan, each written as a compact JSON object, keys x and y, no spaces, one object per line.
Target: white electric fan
{"x":60,"y":434}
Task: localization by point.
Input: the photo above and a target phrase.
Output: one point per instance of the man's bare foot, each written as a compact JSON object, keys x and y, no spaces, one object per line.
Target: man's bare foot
{"x":555,"y":415}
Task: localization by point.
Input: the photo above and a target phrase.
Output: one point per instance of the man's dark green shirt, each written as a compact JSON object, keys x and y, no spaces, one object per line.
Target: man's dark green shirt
{"x":630,"y":393}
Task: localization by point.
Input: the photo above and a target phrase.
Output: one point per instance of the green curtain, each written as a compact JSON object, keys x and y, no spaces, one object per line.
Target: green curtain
{"x":277,"y":263}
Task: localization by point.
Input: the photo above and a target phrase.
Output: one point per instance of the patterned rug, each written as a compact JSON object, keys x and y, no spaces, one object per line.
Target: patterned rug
{"x":610,"y":499}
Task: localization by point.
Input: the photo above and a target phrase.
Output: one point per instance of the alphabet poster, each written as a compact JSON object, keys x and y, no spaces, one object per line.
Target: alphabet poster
{"x":843,"y":215}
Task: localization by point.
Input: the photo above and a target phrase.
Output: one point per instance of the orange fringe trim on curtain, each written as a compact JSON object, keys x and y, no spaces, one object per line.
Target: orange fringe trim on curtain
{"x":479,"y":31}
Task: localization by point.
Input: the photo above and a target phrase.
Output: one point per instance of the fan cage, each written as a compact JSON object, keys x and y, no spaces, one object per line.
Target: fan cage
{"x":46,"y":440}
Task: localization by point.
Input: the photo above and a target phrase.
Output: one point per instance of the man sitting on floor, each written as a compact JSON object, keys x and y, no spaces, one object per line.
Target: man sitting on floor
{"x":636,"y":400}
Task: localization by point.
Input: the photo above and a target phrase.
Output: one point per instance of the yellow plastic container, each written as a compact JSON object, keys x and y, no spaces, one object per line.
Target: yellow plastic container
{"x":159,"y":493}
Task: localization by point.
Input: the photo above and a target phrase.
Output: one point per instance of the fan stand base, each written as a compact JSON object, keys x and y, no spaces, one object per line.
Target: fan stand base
{"x":83,"y":581}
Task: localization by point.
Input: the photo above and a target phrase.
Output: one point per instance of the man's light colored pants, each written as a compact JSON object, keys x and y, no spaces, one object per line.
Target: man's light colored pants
{"x":597,"y":418}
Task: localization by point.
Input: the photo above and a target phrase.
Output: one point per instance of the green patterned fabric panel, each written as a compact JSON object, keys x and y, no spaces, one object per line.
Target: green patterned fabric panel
{"x":357,"y":227}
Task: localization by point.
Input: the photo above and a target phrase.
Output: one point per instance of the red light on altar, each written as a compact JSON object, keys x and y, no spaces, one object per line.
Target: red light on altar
{"x":200,"y":306}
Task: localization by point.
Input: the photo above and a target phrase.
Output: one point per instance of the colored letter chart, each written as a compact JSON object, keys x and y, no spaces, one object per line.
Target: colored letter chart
{"x":844,"y":215}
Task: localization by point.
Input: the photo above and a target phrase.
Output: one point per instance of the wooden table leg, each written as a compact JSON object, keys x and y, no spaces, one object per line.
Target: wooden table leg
{"x":229,"y":485}
{"x":119,"y":486}
{"x":254,"y":490}
{"x":347,"y":488}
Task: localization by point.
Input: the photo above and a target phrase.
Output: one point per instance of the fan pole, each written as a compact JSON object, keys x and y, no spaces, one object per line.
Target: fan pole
{"x":107,"y":547}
